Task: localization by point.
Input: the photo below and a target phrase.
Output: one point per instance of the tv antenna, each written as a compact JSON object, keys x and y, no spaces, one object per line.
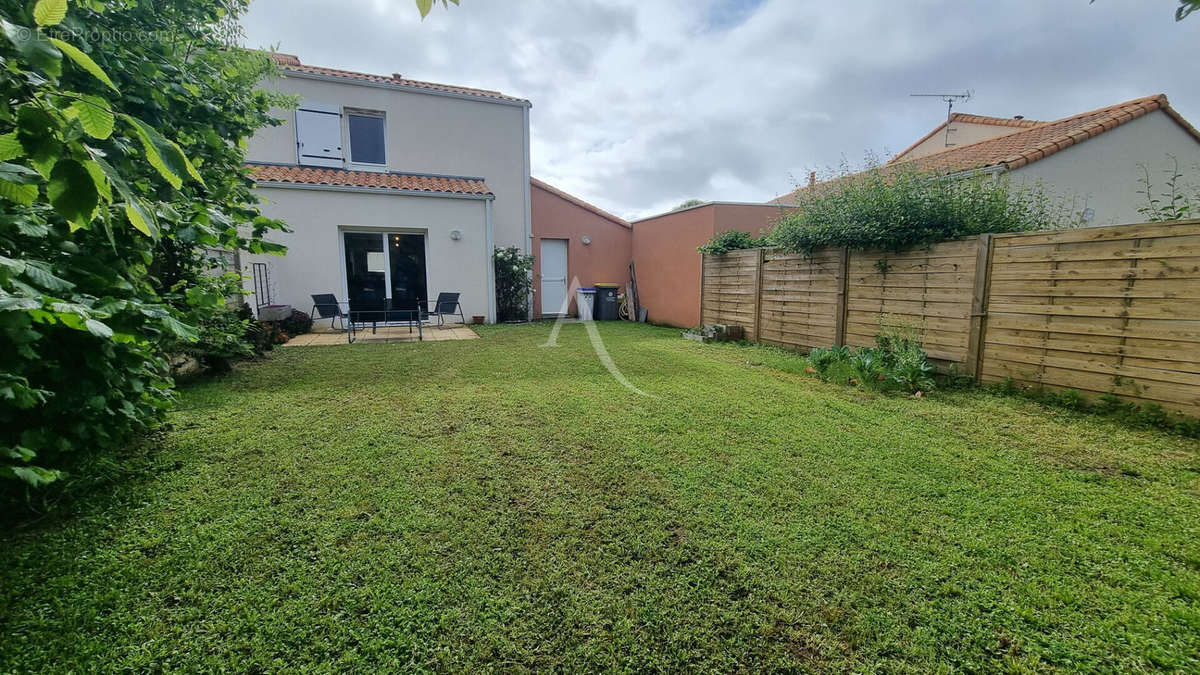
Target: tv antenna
{"x":949,"y":100}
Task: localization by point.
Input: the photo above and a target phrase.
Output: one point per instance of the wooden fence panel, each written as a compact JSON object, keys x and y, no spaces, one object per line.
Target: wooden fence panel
{"x":729,"y":291}
{"x":799,"y":302}
{"x":1099,"y":310}
{"x":929,"y":288}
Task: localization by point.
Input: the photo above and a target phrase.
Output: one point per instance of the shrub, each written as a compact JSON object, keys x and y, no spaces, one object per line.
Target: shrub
{"x":121,"y":169}
{"x":731,"y":240}
{"x":904,"y":361}
{"x":895,"y":362}
{"x":221,"y":340}
{"x":264,"y":335}
{"x":298,"y":323}
{"x":514,"y":281}
{"x":823,"y":357}
{"x":898,"y":208}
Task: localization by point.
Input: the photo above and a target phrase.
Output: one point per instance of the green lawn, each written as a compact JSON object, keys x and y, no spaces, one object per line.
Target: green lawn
{"x":495,"y":504}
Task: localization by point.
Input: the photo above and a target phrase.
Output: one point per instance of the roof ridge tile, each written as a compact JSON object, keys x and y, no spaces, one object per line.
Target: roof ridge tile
{"x":291,"y":63}
{"x":1024,"y":146}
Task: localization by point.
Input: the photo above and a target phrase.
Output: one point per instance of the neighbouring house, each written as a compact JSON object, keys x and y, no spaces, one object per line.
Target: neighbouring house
{"x":574,"y":244}
{"x":667,"y":263}
{"x":1093,"y":159}
{"x":393,"y":188}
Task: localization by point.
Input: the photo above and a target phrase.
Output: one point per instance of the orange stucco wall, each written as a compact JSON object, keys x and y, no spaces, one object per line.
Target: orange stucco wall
{"x":605,"y":260}
{"x":666,"y":260}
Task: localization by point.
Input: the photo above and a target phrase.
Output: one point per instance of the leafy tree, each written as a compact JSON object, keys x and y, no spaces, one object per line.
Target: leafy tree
{"x":425,"y":6}
{"x":1185,"y":8}
{"x":688,"y":204}
{"x":122,"y":129}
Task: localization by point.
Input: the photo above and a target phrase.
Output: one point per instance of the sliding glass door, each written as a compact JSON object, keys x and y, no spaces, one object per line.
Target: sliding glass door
{"x":406,"y":262}
{"x":383,"y":265}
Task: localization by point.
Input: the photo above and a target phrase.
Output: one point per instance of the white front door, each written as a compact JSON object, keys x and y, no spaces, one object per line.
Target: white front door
{"x":554,"y":276}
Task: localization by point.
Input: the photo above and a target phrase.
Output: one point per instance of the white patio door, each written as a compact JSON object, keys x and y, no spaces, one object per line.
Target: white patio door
{"x":554,"y":275}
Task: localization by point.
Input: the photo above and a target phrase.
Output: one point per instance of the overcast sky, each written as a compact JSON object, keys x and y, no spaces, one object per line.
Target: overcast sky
{"x":641,"y":104}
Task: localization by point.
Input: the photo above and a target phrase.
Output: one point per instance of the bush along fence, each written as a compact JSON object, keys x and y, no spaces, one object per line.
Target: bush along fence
{"x":1102,"y":310}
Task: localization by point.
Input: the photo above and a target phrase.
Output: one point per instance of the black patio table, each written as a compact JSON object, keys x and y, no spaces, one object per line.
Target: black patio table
{"x":388,"y":312}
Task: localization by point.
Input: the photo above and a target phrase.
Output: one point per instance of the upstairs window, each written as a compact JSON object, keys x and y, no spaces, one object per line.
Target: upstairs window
{"x":367,"y":143}
{"x":319,"y":134}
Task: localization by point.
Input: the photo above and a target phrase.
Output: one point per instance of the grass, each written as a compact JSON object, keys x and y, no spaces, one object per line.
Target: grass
{"x":494,"y":504}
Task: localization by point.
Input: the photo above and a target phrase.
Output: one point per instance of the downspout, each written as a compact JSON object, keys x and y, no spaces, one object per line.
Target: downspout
{"x":491,"y":261}
{"x":528,"y":208}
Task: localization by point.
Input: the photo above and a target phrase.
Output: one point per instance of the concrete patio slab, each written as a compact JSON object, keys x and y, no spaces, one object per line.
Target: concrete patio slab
{"x":325,"y":337}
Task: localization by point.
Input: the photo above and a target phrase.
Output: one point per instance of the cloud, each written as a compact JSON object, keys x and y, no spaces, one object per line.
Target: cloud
{"x":639,"y":105}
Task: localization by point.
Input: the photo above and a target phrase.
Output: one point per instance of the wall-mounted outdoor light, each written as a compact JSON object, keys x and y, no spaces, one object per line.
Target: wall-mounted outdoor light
{"x":586,"y":240}
{"x":456,"y":234}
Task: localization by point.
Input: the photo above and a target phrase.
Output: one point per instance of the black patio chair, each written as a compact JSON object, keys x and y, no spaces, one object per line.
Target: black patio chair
{"x":446,"y":305}
{"x":326,"y":306}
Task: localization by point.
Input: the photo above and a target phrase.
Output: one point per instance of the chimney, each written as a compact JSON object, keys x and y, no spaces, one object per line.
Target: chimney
{"x":397,"y":76}
{"x":812,"y":178}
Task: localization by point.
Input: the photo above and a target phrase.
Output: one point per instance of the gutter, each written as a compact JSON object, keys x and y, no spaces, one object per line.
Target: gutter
{"x":400,"y":87}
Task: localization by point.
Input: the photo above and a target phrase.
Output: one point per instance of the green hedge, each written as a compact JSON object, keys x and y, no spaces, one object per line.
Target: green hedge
{"x":121,"y":173}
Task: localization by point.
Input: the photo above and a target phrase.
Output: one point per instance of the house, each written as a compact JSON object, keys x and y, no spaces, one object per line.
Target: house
{"x":392,"y":187}
{"x":667,"y":262}
{"x":1094,"y":159}
{"x":574,"y":244}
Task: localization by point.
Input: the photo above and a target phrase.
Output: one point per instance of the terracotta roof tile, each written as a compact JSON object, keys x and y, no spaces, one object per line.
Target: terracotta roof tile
{"x":994,"y":121}
{"x":967,"y":119}
{"x":1029,"y":142}
{"x":290,"y":62}
{"x":1026,"y":145}
{"x":578,"y":202}
{"x":413,"y":182}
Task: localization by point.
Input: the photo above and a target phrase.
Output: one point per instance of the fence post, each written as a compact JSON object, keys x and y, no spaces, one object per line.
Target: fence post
{"x":979,"y":300}
{"x":758,"y":272}
{"x":839,"y":321}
